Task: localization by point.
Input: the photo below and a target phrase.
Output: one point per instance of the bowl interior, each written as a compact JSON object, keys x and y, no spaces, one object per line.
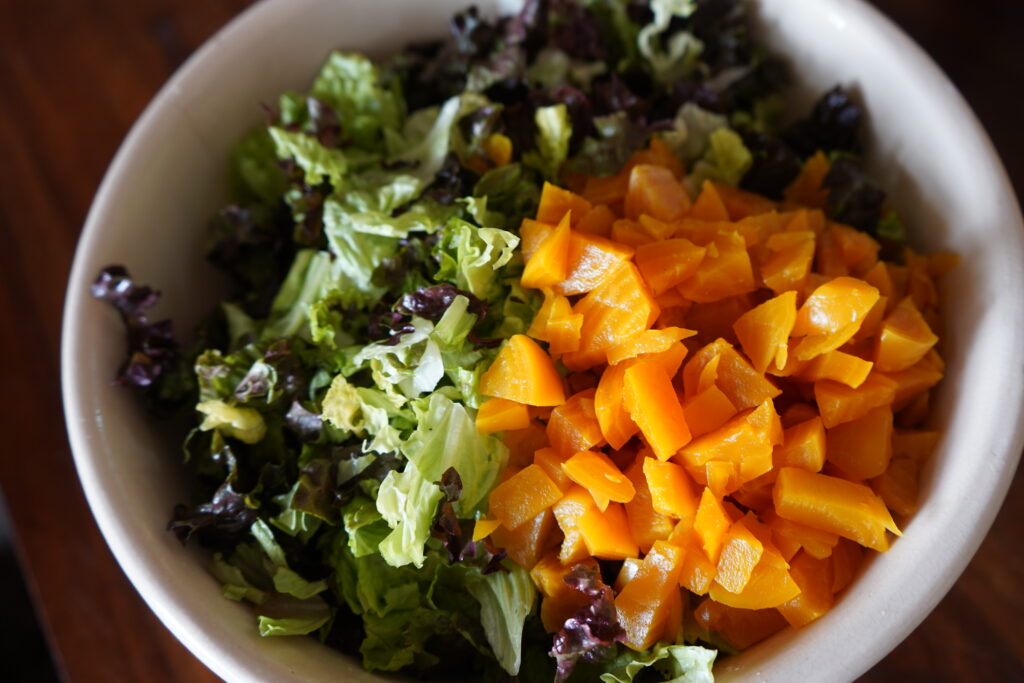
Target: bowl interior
{"x":168,"y":178}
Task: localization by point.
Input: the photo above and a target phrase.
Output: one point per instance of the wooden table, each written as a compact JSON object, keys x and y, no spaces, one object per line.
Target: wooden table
{"x":73,"y":77}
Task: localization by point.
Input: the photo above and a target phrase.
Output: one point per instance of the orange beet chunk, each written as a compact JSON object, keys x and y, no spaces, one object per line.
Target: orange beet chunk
{"x":654,"y":190}
{"x":744,"y":386}
{"x":861,"y":448}
{"x":709,"y":205}
{"x":648,"y":342}
{"x":531,"y":235}
{"x":710,"y":524}
{"x":769,"y":586}
{"x":667,"y":264}
{"x":745,"y":441}
{"x":846,"y":559}
{"x":568,"y":512}
{"x":606,"y":533}
{"x":556,"y":324}
{"x":839,"y":403}
{"x":789,"y":262}
{"x":815,"y":542}
{"x":897,"y":486}
{"x":707,"y":411}
{"x":807,"y":188}
{"x":831,"y":504}
{"x":764,"y":331}
{"x":740,"y":628}
{"x":500,"y":415}
{"x":645,"y":523}
{"x":741,"y":551}
{"x":671,"y":491}
{"x":483,"y":528}
{"x":524,"y":373}
{"x":560,"y":601}
{"x":652,"y":402}
{"x":598,"y":221}
{"x":549,"y":262}
{"x":831,"y":315}
{"x":814,"y":577}
{"x":740,"y":203}
{"x":617,"y":309}
{"x":556,"y":202}
{"x":838,"y":367}
{"x":523,"y":496}
{"x":591,"y":259}
{"x":643,"y":605}
{"x":526,"y":544}
{"x":803,"y":446}
{"x":550,"y":460}
{"x":599,"y":475}
{"x":573,"y":426}
{"x":609,"y":405}
{"x":724,"y":271}
{"x":904,"y":339}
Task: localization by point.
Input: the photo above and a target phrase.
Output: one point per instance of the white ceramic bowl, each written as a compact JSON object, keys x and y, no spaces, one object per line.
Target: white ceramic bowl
{"x":167,"y":179}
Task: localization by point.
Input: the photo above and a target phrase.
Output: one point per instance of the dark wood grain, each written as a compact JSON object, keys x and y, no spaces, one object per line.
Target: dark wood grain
{"x":73,"y":77}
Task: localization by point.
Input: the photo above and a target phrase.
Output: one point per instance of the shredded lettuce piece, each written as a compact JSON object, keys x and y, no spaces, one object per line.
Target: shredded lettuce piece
{"x":675,"y":664}
{"x":506,"y":599}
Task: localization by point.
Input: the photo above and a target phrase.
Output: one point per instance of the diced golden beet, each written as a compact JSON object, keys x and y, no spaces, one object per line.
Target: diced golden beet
{"x":740,"y":441}
{"x":531,"y":234}
{"x":630,"y":233}
{"x":607,"y":190}
{"x":483,"y":528}
{"x":904,"y":338}
{"x":744,"y":386}
{"x":616,"y":424}
{"x":523,"y":443}
{"x":501,"y":415}
{"x":764,"y":331}
{"x":788,"y":547}
{"x":648,"y":342}
{"x":550,"y":460}
{"x":675,"y":625}
{"x":757,"y":229}
{"x":847,"y":557}
{"x":568,"y":511}
{"x":643,"y":604}
{"x":498,"y":148}
{"x":702,"y":232}
{"x":598,"y":221}
{"x":710,"y":524}
{"x":916,"y":444}
{"x":837,"y":366}
{"x":666,"y":264}
{"x":709,"y":205}
{"x":828,"y":257}
{"x":766,"y":536}
{"x":654,"y":406}
{"x":591,"y":259}
{"x":671,"y":491}
{"x":556,"y":324}
{"x":707,"y":411}
{"x":524,"y":373}
{"x":559,"y":600}
{"x":722,"y":477}
{"x":797,"y":413}
{"x":606,"y":534}
{"x":920,"y":285}
{"x":724,"y":271}
{"x":741,"y":551}
{"x":658,"y":230}
{"x":526,"y":544}
{"x":669,"y":360}
{"x":861,"y":448}
{"x":769,"y":586}
{"x":549,"y":263}
{"x":815,"y":542}
{"x":740,"y":628}
{"x":803,"y":446}
{"x":554,"y":307}
{"x":789,"y":262}
{"x":814,"y":577}
{"x":831,"y":504}
{"x":858,"y":249}
{"x":617,"y":309}
{"x":839,"y":403}
{"x":715,"y":320}
{"x":831,"y":315}
{"x":807,"y":188}
{"x":556,"y":202}
{"x":630,"y":566}
{"x":897,"y":486}
{"x":756,"y":494}
{"x":645,"y":523}
{"x":655,"y":191}
{"x":740,"y":203}
{"x":599,"y":475}
{"x":523,"y":496}
{"x":573,"y":426}
{"x":912,"y":382}
{"x":698,"y":571}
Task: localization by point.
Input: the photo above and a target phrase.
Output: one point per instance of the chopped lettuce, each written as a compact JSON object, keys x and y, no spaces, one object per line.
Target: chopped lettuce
{"x":674,"y":663}
{"x":506,"y":599}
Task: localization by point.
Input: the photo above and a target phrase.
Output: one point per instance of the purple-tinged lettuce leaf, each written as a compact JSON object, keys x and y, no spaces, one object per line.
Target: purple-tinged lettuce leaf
{"x":853,"y":197}
{"x":832,"y":126}
{"x":591,"y":635}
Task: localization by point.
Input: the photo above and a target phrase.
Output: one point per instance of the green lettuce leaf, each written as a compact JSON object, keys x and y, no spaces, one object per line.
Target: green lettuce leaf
{"x":506,"y":599}
{"x":676,"y":60}
{"x":320,"y":163}
{"x":414,"y":365}
{"x":365,"y":413}
{"x":350,"y":85}
{"x":470,"y":256}
{"x":727,"y":159}
{"x":254,"y":171}
{"x":307,"y":281}
{"x":290,"y":626}
{"x":674,"y":663}
{"x":554,"y":129}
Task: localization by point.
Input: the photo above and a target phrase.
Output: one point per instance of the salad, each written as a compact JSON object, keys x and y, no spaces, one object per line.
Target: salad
{"x":443,"y":421}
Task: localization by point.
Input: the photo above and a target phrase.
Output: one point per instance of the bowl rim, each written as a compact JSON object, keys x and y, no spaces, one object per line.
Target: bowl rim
{"x":81,"y":427}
